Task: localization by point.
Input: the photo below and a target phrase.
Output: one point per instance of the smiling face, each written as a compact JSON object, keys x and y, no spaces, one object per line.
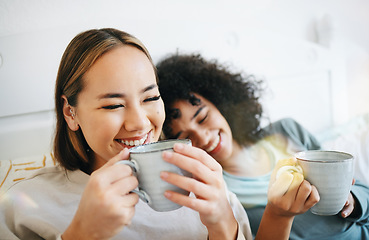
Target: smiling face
{"x":205,"y":126}
{"x":120,"y":105}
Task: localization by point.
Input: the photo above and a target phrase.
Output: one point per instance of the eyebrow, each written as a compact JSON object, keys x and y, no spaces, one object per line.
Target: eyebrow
{"x":194,"y":116}
{"x":197,"y":112}
{"x":148,"y":88}
{"x":111,"y":95}
{"x":122,"y":95}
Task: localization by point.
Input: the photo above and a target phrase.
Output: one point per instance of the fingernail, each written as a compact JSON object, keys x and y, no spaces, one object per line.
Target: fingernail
{"x":178,"y":146}
{"x":167,"y":155}
{"x":164,"y":175}
{"x":167,"y":194}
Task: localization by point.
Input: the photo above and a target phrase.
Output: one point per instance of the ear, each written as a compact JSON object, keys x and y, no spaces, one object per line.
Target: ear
{"x":69,"y":113}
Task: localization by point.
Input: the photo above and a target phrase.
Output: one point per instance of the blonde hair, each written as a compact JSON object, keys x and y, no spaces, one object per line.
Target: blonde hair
{"x":70,"y":148}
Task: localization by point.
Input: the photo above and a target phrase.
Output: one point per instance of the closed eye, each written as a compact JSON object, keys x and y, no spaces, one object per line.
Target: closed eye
{"x":156,"y":98}
{"x":202,"y":120}
{"x":110,"y":107}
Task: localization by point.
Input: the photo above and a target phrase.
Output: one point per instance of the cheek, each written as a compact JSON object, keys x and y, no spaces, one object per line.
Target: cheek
{"x":97,"y":128}
{"x":160,"y":114}
{"x":157,"y":119}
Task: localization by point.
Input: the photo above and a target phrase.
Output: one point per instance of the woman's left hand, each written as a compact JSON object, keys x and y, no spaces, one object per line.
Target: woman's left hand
{"x":349,"y":206}
{"x":207,"y":184}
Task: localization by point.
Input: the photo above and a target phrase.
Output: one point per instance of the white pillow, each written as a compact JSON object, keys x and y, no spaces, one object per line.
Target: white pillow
{"x":353,"y":138}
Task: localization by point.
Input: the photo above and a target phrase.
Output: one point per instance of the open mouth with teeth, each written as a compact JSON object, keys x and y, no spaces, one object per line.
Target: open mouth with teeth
{"x":215,"y":146}
{"x":134,"y":143}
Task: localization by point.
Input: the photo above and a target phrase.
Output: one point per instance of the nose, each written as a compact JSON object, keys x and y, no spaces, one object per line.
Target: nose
{"x":201,"y":137}
{"x":136,"y":118}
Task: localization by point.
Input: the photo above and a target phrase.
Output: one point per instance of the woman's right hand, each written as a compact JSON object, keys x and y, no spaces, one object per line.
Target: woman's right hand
{"x":289,"y":194}
{"x":280,"y":211}
{"x":295,"y":201}
{"x":106,"y":205}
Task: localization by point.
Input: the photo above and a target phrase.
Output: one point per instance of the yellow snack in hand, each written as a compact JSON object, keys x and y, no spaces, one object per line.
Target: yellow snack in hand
{"x":286,"y":175}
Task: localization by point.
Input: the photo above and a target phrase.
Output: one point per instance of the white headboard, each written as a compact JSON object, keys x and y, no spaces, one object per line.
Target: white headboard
{"x":303,"y":77}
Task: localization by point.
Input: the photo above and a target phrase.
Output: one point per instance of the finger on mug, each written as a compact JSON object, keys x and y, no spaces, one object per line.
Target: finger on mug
{"x":130,"y":200}
{"x":115,"y":173}
{"x":187,"y":201}
{"x":122,"y":155}
{"x":303,"y":193}
{"x":125,"y":185}
{"x":198,"y":154}
{"x":196,"y":168}
{"x":313,"y":198}
{"x":109,"y":175}
{"x":348,"y":208}
{"x":189,"y":184}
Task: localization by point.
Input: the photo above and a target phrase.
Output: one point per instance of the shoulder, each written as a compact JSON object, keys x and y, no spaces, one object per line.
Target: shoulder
{"x":294,"y":131}
{"x":47,"y":180}
{"x":284,"y":125}
{"x":44,"y":176}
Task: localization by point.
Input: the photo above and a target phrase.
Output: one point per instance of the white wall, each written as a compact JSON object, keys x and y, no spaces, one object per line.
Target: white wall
{"x":60,"y":20}
{"x":34,"y":34}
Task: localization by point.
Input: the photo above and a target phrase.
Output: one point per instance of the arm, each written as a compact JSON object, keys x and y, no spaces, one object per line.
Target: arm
{"x":272,"y":226}
{"x":106,"y":205}
{"x":208,"y":185}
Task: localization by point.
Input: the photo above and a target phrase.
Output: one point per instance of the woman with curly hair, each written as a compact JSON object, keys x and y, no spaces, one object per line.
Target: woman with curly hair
{"x":230,"y":93}
{"x":220,"y":111}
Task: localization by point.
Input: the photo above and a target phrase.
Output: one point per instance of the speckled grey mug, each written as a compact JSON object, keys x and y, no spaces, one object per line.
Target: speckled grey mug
{"x":147,"y":164}
{"x":331,"y":172}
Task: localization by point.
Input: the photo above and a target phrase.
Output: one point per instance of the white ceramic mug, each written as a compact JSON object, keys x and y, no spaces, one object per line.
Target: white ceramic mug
{"x":147,"y":164}
{"x":331,"y":172}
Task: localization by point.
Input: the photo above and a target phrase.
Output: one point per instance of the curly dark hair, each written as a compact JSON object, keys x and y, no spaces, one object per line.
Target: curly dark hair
{"x":236,"y":95}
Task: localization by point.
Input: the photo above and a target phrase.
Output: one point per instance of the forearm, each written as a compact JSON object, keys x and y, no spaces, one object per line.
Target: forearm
{"x":274,"y":226}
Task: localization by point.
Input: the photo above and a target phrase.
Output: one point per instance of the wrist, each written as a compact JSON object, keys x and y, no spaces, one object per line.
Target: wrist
{"x":274,"y":225}
{"x":75,"y":231}
{"x":224,"y":230}
{"x":278,"y":220}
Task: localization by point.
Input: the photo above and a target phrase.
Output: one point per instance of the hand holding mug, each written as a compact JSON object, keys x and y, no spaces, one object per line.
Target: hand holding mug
{"x":349,"y":207}
{"x":289,"y":194}
{"x":106,"y":205}
{"x":332,"y":173}
{"x":147,"y":165}
{"x":207,"y":184}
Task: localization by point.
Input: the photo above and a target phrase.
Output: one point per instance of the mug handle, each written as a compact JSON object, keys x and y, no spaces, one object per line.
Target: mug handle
{"x":134,"y":165}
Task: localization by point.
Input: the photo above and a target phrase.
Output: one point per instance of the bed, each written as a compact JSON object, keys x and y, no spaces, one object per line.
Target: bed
{"x":304,"y":81}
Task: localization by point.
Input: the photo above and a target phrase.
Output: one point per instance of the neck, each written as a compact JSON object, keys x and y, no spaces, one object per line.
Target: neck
{"x":248,"y":161}
{"x":231,"y":165}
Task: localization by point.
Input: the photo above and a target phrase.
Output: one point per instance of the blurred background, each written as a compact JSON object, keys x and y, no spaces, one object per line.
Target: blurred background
{"x":34,"y":34}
